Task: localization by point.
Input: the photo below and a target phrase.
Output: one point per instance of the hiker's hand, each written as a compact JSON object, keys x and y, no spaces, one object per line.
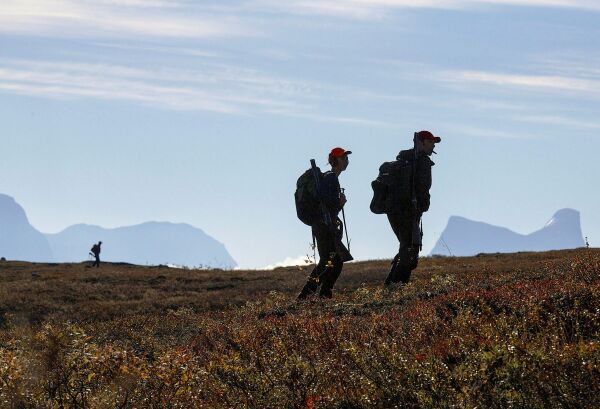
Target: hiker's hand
{"x":342,"y":199}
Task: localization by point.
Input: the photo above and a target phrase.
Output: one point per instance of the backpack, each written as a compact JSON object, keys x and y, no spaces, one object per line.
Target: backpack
{"x":392,"y":189}
{"x":94,"y":249}
{"x":307,"y":201}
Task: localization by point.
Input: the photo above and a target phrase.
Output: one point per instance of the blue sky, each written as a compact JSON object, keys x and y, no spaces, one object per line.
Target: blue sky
{"x":115,"y":112}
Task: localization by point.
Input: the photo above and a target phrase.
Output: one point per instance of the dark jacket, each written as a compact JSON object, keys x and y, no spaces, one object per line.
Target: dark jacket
{"x":422,"y":177}
{"x":330,"y":192}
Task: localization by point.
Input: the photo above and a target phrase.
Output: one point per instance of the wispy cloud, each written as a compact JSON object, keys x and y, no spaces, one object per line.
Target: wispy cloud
{"x":185,"y":19}
{"x":541,"y":82}
{"x":210,"y":87}
{"x":113,"y":18}
{"x":577,"y":4}
{"x":571,"y":64}
{"x":225,"y":88}
{"x":213,"y":88}
{"x":346,"y":120}
{"x":534,"y":81}
{"x":563,"y":121}
{"x":485,"y":133}
{"x":191,"y":52}
{"x":370,"y":9}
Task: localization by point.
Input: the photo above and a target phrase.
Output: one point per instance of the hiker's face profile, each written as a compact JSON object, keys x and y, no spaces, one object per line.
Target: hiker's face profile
{"x":343,"y":162}
{"x":427,"y":146}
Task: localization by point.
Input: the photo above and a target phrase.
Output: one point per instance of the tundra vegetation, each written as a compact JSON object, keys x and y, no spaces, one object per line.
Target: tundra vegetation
{"x":494,"y":331}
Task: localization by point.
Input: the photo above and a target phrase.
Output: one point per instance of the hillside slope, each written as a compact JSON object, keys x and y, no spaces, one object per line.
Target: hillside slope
{"x":495,"y":331}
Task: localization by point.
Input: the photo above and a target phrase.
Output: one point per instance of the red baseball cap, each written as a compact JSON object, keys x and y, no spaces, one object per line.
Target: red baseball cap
{"x":338,"y":153}
{"x":426,"y":135}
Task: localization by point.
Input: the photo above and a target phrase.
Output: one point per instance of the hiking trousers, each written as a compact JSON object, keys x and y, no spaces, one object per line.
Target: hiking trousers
{"x":329,"y":268}
{"x":407,"y":258}
{"x":97,"y":262}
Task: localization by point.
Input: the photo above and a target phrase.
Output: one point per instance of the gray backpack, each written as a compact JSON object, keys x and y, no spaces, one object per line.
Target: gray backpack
{"x":392,"y":188}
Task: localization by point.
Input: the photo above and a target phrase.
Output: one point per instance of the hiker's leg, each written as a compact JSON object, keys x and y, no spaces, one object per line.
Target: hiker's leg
{"x":409,"y":254}
{"x":313,"y":280}
{"x":404,"y":262}
{"x":395,"y":221}
{"x":321,"y":233}
{"x":330,"y":277}
{"x":409,"y":262}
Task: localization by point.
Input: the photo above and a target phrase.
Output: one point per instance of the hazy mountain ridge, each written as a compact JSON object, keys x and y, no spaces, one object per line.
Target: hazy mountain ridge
{"x":464,"y":237}
{"x":146,"y":243}
{"x":18,"y":238}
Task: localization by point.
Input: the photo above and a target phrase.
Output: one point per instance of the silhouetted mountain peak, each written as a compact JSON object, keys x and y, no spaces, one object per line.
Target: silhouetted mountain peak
{"x":11,"y":213}
{"x":464,"y":237}
{"x":568,"y":217}
{"x":18,"y":239}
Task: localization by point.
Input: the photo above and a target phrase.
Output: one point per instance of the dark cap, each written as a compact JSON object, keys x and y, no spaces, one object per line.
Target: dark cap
{"x":426,"y":135}
{"x":338,"y":153}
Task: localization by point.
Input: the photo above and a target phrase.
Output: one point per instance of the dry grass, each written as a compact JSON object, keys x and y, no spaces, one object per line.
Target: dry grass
{"x":517,"y":330}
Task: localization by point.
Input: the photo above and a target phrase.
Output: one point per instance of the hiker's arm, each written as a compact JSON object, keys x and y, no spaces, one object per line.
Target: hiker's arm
{"x":423,"y":184}
{"x":331,"y":193}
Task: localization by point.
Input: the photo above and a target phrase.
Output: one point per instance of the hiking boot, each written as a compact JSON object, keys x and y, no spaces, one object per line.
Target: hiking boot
{"x":328,"y":294}
{"x":404,"y":276}
{"x":308,"y":290}
{"x":303,"y":295}
{"x":393,"y":274}
{"x":392,"y":277}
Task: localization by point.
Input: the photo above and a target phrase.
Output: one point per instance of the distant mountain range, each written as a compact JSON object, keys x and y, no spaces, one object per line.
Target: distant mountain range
{"x":18,"y":239}
{"x":464,"y":237}
{"x":148,"y":243}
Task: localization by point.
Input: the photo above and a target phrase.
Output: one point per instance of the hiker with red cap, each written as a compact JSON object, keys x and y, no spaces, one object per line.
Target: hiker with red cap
{"x":327,"y":228}
{"x":401,"y":191}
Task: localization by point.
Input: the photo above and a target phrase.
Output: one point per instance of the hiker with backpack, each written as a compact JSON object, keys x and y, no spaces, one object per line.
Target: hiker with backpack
{"x":319,"y":200}
{"x":95,"y":250}
{"x":401,"y":191}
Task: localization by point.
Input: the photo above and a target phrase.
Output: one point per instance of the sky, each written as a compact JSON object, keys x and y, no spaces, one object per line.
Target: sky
{"x":117,"y":112}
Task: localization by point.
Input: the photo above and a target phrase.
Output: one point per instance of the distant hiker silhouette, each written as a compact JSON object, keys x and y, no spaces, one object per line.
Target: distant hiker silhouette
{"x":319,"y":200}
{"x":401,"y":191}
{"x":95,"y":251}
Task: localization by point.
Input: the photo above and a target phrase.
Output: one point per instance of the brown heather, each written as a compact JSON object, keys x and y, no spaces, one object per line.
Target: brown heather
{"x":494,"y":331}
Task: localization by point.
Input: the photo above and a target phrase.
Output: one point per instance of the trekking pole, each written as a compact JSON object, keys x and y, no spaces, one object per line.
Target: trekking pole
{"x":314,"y":248}
{"x":446,"y":245}
{"x":345,"y":225}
